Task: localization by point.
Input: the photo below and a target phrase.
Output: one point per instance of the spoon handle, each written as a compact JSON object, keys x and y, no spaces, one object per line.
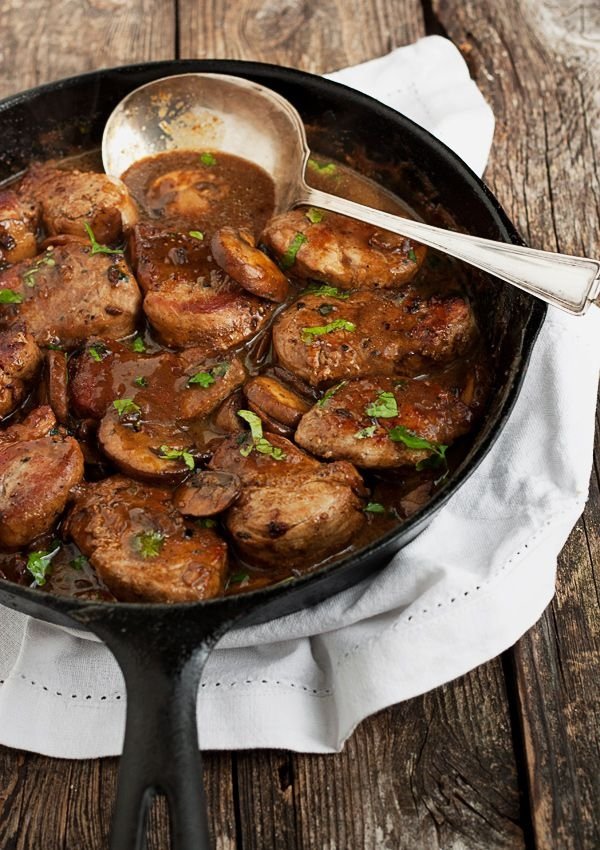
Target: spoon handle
{"x":571,"y":283}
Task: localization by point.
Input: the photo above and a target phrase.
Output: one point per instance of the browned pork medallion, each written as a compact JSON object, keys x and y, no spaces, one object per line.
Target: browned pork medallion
{"x":199,"y":397}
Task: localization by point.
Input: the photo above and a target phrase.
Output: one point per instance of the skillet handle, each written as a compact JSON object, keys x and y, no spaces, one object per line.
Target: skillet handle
{"x":160,"y":753}
{"x":162,"y":656}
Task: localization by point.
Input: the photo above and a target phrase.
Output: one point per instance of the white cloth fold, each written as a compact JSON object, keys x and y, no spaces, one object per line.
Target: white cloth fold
{"x":462,"y":592}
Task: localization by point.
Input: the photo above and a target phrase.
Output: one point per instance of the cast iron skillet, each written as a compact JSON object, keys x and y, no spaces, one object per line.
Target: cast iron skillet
{"x":162,"y":649}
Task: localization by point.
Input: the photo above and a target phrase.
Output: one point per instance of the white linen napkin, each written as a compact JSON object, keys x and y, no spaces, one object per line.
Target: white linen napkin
{"x":466,"y":589}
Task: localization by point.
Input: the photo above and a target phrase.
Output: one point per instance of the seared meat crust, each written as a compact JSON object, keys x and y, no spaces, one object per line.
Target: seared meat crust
{"x":18,"y":224}
{"x":295,"y":510}
{"x":36,"y":476}
{"x":335,"y":427}
{"x":70,"y":199}
{"x":188,"y":299}
{"x":69,"y":294}
{"x":390,"y":335}
{"x":20,"y":359}
{"x":141,"y":546}
{"x":344,"y":252}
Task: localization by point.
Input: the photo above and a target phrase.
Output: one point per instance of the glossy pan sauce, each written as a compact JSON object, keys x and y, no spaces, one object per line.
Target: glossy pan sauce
{"x":241,"y":196}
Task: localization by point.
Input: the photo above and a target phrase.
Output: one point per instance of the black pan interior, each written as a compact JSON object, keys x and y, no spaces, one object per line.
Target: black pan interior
{"x":62,"y":117}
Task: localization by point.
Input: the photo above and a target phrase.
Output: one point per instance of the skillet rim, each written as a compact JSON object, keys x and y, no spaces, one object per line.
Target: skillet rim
{"x":394,"y":540}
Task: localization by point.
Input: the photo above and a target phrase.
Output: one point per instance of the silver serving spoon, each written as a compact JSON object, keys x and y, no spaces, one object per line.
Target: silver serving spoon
{"x":216,"y":112}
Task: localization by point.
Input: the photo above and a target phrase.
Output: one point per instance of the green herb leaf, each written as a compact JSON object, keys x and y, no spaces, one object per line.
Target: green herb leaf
{"x":374,"y":508}
{"x":308,"y":334}
{"x":412,"y":256}
{"x":167,"y":453}
{"x":206,"y":522}
{"x":400,"y":434}
{"x":364,"y":433}
{"x":327,"y":292}
{"x":327,"y":169}
{"x":289,"y":258}
{"x":138,"y":345}
{"x":384,"y":407}
{"x":259,"y":443}
{"x":9,"y":296}
{"x":204,"y":379}
{"x":96,"y":247}
{"x":207,"y":158}
{"x":126,"y":406}
{"x":39,"y":564}
{"x":330,"y":392}
{"x":314,"y":215}
{"x":29,"y":275}
{"x":207,"y":378}
{"x":140,"y":381}
{"x":239,"y":578}
{"x":149,"y":543}
{"x":97,"y":351}
{"x":78,"y":563}
{"x":326,"y":309}
{"x":196,"y":234}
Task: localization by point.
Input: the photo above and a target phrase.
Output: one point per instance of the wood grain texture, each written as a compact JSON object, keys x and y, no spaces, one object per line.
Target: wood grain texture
{"x":314,"y":36}
{"x":539,"y":65}
{"x":42,"y":41}
{"x":438,"y":771}
{"x":435,"y":772}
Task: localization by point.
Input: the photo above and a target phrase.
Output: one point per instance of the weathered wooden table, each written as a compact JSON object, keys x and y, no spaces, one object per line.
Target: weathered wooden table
{"x":507,"y":756}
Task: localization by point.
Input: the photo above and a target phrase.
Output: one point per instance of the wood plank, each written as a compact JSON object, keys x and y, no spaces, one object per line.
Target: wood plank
{"x":43,"y":41}
{"x":12,"y":773}
{"x":539,"y":65}
{"x":436,"y":772}
{"x":314,"y":36}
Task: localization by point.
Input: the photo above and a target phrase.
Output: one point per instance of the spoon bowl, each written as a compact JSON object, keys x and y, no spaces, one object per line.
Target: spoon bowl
{"x":218,"y":112}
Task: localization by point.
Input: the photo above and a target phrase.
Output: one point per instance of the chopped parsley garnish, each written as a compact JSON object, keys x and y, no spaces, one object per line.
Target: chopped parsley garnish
{"x":207,"y":158}
{"x":330,"y":392}
{"x":400,"y":434}
{"x":196,"y":234}
{"x":39,"y":564}
{"x":239,"y":578}
{"x":308,"y":334}
{"x":140,"y":381}
{"x":206,"y":522}
{"x":327,"y":292}
{"x":206,"y":379}
{"x":29,"y":275}
{"x":167,"y":453}
{"x":327,"y":169}
{"x":364,"y":433}
{"x":97,"y":351}
{"x":126,"y":406}
{"x":411,"y":255}
{"x":260,"y":443}
{"x":9,"y":296}
{"x":149,"y":543}
{"x":203,"y":379}
{"x":78,"y":563}
{"x":289,"y":258}
{"x":314,"y":215}
{"x":138,"y":344}
{"x":374,"y":508}
{"x":384,"y":407}
{"x":326,"y":309}
{"x":96,"y":247}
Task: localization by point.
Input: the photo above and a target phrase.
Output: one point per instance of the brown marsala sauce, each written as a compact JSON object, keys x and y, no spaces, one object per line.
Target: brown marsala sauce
{"x":245,"y":195}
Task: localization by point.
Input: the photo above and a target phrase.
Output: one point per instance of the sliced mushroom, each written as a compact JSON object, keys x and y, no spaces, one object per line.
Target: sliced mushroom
{"x":235,"y":252}
{"x":207,"y":493}
{"x":136,"y":448}
{"x":56,"y":365}
{"x":268,"y":395}
{"x":226,"y":418}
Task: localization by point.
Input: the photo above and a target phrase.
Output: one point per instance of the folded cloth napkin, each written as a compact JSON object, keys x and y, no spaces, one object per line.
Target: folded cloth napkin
{"x":458,"y":595}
